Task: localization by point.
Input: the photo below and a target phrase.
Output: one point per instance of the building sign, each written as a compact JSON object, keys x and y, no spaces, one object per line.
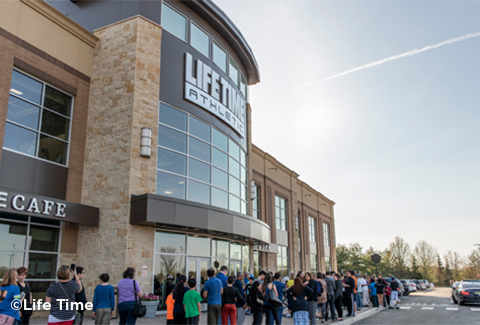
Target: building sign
{"x":263,"y":248}
{"x":205,"y":88}
{"x":18,"y":202}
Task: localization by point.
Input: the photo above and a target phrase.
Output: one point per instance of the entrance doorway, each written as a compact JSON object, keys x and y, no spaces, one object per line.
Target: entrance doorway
{"x":197,"y":267}
{"x":235,"y":266}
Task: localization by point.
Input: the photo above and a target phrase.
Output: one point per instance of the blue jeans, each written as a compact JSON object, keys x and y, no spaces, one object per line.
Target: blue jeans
{"x":359,"y":299}
{"x":375,"y":301}
{"x":280,"y":314}
{"x":125,"y":311}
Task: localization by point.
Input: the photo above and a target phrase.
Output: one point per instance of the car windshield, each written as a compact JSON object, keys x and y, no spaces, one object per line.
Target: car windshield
{"x":471,"y":285}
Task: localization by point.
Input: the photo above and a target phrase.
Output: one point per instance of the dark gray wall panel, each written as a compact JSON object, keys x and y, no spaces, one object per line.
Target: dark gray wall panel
{"x":192,"y":216}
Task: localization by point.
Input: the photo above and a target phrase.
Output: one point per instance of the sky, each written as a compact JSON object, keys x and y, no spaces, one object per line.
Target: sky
{"x":376,"y":105}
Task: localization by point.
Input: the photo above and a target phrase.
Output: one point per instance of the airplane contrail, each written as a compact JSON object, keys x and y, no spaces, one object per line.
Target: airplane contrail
{"x":394,"y":57}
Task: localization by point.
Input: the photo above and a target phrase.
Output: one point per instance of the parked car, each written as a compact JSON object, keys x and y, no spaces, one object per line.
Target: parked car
{"x":409,"y":285}
{"x":420,"y":285}
{"x":467,"y":292}
{"x":427,"y":284}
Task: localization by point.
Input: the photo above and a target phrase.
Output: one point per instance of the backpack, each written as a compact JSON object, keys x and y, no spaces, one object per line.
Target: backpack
{"x":319,"y":289}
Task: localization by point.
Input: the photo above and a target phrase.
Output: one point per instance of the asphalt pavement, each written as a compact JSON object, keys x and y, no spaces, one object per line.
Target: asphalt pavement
{"x":434,"y":306}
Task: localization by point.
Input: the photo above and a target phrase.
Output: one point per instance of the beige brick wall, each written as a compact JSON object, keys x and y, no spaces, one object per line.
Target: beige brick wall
{"x":124,"y":98}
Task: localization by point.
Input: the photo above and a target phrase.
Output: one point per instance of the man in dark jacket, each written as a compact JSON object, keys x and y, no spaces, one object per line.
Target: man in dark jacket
{"x":349,"y":291}
{"x":394,"y":295}
{"x":240,"y":304}
{"x":338,"y":295}
{"x":330,"y":295}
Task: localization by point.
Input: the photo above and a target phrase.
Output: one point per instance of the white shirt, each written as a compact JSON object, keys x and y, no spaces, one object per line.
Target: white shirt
{"x":363,"y":281}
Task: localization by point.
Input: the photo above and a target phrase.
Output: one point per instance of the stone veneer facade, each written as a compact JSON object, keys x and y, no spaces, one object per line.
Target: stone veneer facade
{"x":124,"y":94}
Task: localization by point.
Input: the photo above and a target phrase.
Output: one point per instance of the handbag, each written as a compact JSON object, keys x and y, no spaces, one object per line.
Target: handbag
{"x":78,"y":317}
{"x":271,"y":298}
{"x":139,"y":310}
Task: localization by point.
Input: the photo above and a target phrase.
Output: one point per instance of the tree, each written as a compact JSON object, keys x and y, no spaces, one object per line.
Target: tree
{"x":350,"y":257}
{"x":425,"y":255}
{"x":472,"y":265}
{"x":455,"y":262}
{"x":440,"y":272}
{"x":400,"y":255}
{"x":415,"y":270}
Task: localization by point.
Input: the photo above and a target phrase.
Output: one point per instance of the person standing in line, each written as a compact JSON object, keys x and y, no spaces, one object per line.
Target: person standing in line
{"x":280,"y":286}
{"x":80,"y":296}
{"x":330,"y":295}
{"x":394,"y":295}
{"x":11,"y":292}
{"x":386,"y":300}
{"x":240,"y":304}
{"x":27,"y":299}
{"x":388,"y":292}
{"x":380,"y":291}
{"x":222,"y":275}
{"x":291,"y":281}
{"x":268,"y":308}
{"x":169,"y":303}
{"x":230,"y":296}
{"x":297,"y":297}
{"x":322,"y":299}
{"x":373,"y":293}
{"x":301,"y":275}
{"x":126,"y":296}
{"x":191,"y":303}
{"x":255,"y":301}
{"x":354,"y":293}
{"x":213,"y":290}
{"x":178,"y":294}
{"x":312,"y":299}
{"x":261,"y":277}
{"x":349,"y":292}
{"x":103,"y":301}
{"x":338,"y":295}
{"x":359,"y":292}
{"x":365,"y":294}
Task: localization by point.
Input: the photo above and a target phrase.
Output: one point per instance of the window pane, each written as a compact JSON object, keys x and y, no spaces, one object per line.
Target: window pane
{"x":220,"y":140}
{"x":166,"y":242}
{"x":42,"y":266}
{"x":199,"y":149}
{"x":220,"y":159}
{"x":12,"y":235}
{"x":198,"y":246}
{"x":167,"y":265}
{"x":199,"y":170}
{"x":20,"y":139}
{"x":198,"y":192}
{"x":234,"y":186}
{"x":199,"y":129}
{"x":246,"y":253}
{"x":234,"y":203}
{"x":170,"y":185}
{"x":52,"y":149}
{"x":172,"y":139}
{"x":243,"y":175}
{"x":219,"y":198}
{"x":43,"y":239}
{"x":26,"y":87}
{"x":173,"y":117}
{"x":243,"y":86}
{"x":173,"y":22}
{"x":172,"y":161}
{"x":243,"y":158}
{"x":233,"y":72}
{"x":243,"y":207}
{"x":39,"y":289}
{"x":243,"y":192}
{"x":200,"y":40}
{"x":234,"y":167}
{"x":219,"y":178}
{"x":234,"y":149}
{"x":219,"y":57}
{"x":57,"y":101}
{"x":221,"y":248}
{"x":10,"y":260}
{"x":236,"y":251}
{"x":55,"y":125}
{"x":21,"y":112}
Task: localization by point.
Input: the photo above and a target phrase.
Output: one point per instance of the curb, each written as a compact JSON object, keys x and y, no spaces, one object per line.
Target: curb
{"x":361,"y":316}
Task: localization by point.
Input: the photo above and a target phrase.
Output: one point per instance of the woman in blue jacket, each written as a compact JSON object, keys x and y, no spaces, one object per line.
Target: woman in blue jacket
{"x":10,"y":292}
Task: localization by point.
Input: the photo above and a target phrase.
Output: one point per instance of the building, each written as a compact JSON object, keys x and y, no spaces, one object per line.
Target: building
{"x":127,"y":142}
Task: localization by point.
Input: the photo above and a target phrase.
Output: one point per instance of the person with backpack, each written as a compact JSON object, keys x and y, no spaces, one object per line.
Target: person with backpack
{"x":280,"y":290}
{"x":312,"y":299}
{"x":268,"y":288}
{"x":9,"y":292}
{"x":322,"y":299}
{"x":297,"y":296}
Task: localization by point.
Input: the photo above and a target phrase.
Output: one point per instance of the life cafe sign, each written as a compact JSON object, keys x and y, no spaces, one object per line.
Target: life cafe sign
{"x":204,"y":87}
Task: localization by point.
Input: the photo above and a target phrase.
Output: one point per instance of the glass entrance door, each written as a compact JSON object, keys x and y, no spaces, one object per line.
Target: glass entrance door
{"x":235,"y":266}
{"x":197,"y":267}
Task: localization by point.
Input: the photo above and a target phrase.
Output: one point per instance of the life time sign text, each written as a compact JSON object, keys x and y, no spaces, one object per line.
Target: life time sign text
{"x":31,"y":205}
{"x":204,"y":87}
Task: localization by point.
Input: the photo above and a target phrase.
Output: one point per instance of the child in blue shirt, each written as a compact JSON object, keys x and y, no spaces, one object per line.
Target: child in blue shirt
{"x":10,"y":293}
{"x":103,"y":301}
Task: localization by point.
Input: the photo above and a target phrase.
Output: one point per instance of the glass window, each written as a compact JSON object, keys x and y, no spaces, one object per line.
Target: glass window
{"x":220,"y":140}
{"x":243,"y":158}
{"x":198,"y":192}
{"x":172,"y":139}
{"x":57,"y":101}
{"x":200,"y":40}
{"x":256,"y":264}
{"x":172,"y":161}
{"x":199,"y":170}
{"x":221,"y":248}
{"x":326,"y":235}
{"x":282,"y":260}
{"x":166,"y":265}
{"x":219,"y":56}
{"x":219,"y":198}
{"x":42,"y":266}
{"x":173,"y":117}
{"x":234,"y":167}
{"x":243,"y":86}
{"x":233,"y":72}
{"x":313,"y":263}
{"x":198,"y":246}
{"x":199,"y":149}
{"x":26,"y":87}
{"x":20,"y":139}
{"x":234,"y":186}
{"x":281,"y":213}
{"x":167,"y":242}
{"x":234,"y":203}
{"x":170,"y":185}
{"x":200,"y":129}
{"x":220,"y":159}
{"x":39,"y":288}
{"x":174,"y":22}
{"x":219,"y":178}
{"x":55,"y":125}
{"x":243,"y":207}
{"x":328,"y":266}
{"x":21,"y":112}
{"x":236,"y":251}
{"x":43,"y":239}
{"x":312,"y":229}
{"x":246,"y":254}
{"x":233,"y":149}
{"x":243,"y":174}
{"x":52,"y":149}
{"x":12,"y":235}
{"x":256,"y":202}
{"x":10,"y":260}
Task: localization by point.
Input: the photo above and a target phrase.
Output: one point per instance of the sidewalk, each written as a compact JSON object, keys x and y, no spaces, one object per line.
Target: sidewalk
{"x":162,"y":319}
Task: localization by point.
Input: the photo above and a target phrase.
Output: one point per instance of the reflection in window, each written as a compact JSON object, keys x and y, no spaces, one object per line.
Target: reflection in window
{"x":234,"y":186}
{"x":256,"y":202}
{"x":22,"y":112}
{"x":169,"y":138}
{"x":233,"y":149}
{"x":314,"y":263}
{"x":57,"y":101}
{"x":43,"y":238}
{"x":220,"y":159}
{"x":12,"y":235}
{"x":20,"y":139}
{"x":220,"y":140}
{"x":281,"y":215}
{"x":236,"y":251}
{"x":199,"y":170}
{"x":233,"y":72}
{"x":172,"y":243}
{"x":42,"y":266}
{"x":234,"y":167}
{"x":200,"y":129}
{"x":219,"y":57}
{"x":172,"y":161}
{"x":166,"y":265}
{"x":282,"y":260}
{"x":170,"y":185}
{"x":198,"y":246}
{"x":198,"y":192}
{"x":199,"y":149}
{"x":174,"y":22}
{"x":312,"y":227}
{"x":221,"y":248}
{"x":234,"y":203}
{"x":173,"y":117}
{"x":219,"y":198}
{"x":200,"y":40}
{"x":219,"y":178}
{"x":26,"y":87}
